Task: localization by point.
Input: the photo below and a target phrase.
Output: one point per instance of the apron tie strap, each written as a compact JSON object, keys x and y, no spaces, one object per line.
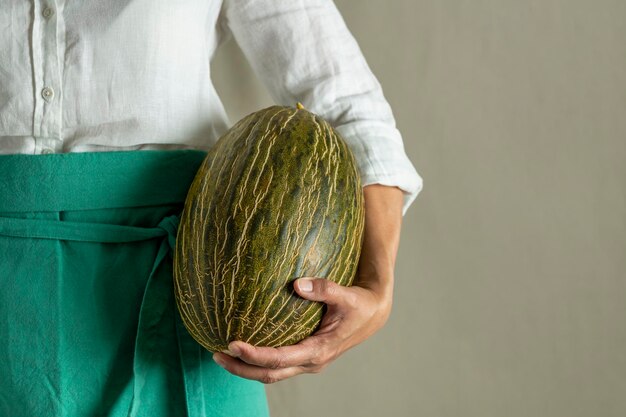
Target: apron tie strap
{"x":88,"y":232}
{"x":170,"y":225}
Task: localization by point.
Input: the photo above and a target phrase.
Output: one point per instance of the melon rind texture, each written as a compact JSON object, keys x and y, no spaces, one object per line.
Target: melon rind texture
{"x":278,"y":197}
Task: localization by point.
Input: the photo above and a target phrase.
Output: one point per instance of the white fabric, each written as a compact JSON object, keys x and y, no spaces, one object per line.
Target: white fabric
{"x":92,"y":75}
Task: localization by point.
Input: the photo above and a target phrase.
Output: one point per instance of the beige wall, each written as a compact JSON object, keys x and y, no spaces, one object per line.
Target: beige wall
{"x":511,"y":281}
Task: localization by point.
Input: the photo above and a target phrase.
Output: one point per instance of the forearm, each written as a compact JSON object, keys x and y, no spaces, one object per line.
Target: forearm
{"x":383,"y":220}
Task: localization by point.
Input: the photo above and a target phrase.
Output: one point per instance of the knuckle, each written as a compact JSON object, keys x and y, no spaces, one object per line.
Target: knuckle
{"x":275,"y":363}
{"x":328,"y":288}
{"x":268,"y":378}
{"x":352,"y":300}
{"x":316,"y":361}
{"x":319,"y":358}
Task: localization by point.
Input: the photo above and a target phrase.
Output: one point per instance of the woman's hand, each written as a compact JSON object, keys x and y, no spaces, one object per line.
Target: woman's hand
{"x":353,"y":313}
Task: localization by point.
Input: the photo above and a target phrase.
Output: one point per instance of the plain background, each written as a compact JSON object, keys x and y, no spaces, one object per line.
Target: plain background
{"x":511,"y":278}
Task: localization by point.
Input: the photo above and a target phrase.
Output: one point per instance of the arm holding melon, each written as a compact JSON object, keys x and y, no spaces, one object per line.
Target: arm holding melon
{"x":353,"y":314}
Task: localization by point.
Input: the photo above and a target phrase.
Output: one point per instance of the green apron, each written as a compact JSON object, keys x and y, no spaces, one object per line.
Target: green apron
{"x":88,"y":323}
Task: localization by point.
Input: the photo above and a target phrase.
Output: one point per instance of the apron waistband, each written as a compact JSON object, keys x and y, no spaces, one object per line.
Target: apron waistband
{"x":96,"y":180}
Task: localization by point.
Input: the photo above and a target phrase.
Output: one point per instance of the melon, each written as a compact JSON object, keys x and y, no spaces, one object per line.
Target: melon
{"x":277,"y":197}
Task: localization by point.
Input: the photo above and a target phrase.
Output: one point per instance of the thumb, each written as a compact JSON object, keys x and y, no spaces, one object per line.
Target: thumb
{"x":320,"y":289}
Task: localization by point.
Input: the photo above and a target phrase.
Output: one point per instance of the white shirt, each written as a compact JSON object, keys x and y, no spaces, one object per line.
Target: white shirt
{"x":93,"y":75}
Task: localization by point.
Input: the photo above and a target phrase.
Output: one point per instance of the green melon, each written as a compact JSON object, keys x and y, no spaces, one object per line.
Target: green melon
{"x":278,"y":197}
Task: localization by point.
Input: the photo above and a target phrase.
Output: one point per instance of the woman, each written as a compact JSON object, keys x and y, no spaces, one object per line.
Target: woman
{"x":106,"y":111}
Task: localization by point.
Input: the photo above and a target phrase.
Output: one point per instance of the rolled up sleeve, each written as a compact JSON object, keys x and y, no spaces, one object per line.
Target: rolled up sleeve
{"x":303,"y":52}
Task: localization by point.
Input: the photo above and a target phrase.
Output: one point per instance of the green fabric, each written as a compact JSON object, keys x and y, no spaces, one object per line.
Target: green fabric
{"x":88,"y":323}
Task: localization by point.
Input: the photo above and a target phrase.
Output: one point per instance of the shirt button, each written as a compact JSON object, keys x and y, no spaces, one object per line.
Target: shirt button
{"x":46,"y":151}
{"x":47,"y":12}
{"x":47,"y":93}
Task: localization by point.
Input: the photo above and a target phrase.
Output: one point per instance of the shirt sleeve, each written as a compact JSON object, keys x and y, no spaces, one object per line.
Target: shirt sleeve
{"x":303,"y":51}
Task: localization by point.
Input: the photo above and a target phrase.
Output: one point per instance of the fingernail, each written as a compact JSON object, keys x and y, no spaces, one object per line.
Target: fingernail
{"x":218,"y":360}
{"x":233,"y":350}
{"x":305,"y":285}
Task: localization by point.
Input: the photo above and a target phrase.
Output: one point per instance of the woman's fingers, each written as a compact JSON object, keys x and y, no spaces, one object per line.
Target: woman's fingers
{"x":312,"y":352}
{"x":351,"y":316}
{"x":258,"y":373}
